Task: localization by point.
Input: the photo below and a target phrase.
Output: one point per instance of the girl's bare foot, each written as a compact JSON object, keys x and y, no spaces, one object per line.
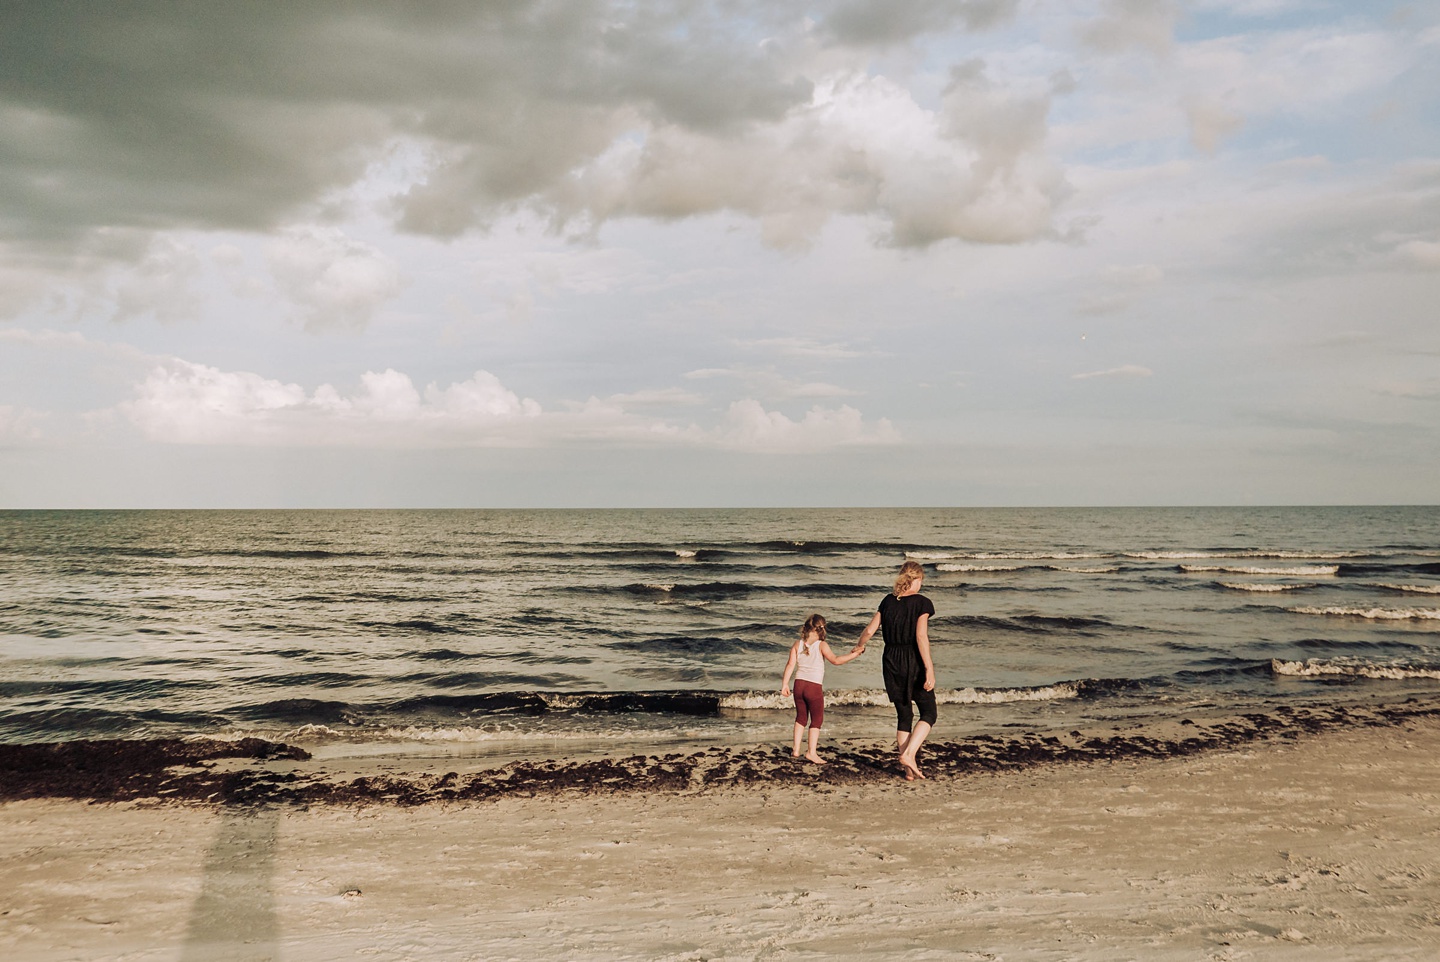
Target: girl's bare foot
{"x":794,"y":754}
{"x":812,"y":757}
{"x":912,"y":770}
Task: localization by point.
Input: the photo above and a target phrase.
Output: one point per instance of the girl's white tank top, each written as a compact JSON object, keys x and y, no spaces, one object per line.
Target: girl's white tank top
{"x":810,"y":667}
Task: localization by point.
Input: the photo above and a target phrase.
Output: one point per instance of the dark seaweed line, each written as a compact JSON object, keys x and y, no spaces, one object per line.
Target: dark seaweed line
{"x":147,"y":770}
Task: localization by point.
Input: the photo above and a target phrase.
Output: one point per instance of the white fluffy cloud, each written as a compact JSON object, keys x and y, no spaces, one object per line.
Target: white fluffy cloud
{"x":180,"y":402}
{"x":748,"y":426}
{"x":186,"y":403}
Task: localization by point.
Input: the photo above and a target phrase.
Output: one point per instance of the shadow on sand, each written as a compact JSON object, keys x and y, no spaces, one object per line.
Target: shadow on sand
{"x":233,"y":919}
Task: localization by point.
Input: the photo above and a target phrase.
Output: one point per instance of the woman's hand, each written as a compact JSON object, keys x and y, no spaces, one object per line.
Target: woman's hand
{"x":858,"y":650}
{"x":784,"y":691}
{"x":929,"y":682}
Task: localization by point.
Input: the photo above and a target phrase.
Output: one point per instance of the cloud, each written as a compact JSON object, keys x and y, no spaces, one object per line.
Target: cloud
{"x":1421,"y":253}
{"x":748,"y":426}
{"x":1124,"y":371}
{"x":1146,"y":25}
{"x":975,"y":170}
{"x":871,"y":22}
{"x":185,"y":403}
{"x":803,"y":347}
{"x":19,"y":424}
{"x":657,"y":397}
{"x":1211,"y":123}
{"x":335,"y":281}
{"x":180,"y":402}
{"x":816,"y":389}
{"x":584,"y":112}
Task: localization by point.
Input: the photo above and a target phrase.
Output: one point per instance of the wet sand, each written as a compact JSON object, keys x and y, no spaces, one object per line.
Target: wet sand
{"x":1309,"y":839}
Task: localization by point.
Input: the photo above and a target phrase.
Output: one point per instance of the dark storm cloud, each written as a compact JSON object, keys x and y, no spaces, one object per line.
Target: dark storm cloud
{"x":121,"y":119}
{"x":151,"y":114}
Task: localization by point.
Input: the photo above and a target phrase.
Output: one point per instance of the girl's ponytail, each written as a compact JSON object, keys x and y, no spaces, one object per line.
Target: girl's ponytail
{"x":816,"y":624}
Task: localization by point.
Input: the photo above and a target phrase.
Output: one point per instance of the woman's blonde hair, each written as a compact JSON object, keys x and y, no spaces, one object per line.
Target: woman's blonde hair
{"x":816,"y":624}
{"x":910,"y":572}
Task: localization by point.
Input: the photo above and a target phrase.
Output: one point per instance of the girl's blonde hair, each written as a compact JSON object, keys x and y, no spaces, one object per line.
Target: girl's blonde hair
{"x":816,"y":624}
{"x":910,"y":572}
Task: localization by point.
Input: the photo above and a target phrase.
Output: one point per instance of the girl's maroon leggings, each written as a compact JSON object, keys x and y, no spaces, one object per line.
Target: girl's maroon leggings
{"x":809,"y":703}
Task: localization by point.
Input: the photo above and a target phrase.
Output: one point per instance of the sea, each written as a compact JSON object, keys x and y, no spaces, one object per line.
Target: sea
{"x":511,"y":634}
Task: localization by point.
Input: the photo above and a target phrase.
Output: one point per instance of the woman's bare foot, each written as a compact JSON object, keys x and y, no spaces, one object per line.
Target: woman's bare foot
{"x":912,"y":770}
{"x":812,"y":757}
{"x":794,"y":754}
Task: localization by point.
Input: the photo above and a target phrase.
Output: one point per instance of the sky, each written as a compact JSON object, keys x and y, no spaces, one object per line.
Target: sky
{"x":731,"y":253}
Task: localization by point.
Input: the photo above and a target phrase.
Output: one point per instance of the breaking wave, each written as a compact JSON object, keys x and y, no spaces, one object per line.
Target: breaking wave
{"x":1317,"y":668}
{"x":1247,"y":586}
{"x":1374,"y":614}
{"x":1298,"y":572}
{"x":1001,"y":556}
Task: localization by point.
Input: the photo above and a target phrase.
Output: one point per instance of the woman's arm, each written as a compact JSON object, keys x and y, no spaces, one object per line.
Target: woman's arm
{"x":868,"y":633}
{"x":791,"y":664}
{"x":922,"y":641}
{"x":831,"y":657}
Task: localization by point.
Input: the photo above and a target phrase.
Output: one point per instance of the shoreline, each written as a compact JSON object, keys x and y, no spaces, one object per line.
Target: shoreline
{"x":253,"y":771}
{"x":1319,"y":845}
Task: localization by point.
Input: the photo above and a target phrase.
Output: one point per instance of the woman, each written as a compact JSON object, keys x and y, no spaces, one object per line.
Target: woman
{"x":904,"y":624}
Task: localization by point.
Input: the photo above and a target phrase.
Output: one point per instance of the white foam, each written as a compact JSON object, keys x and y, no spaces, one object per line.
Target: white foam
{"x":960,"y":567}
{"x":1105,"y":570}
{"x":1242,"y":586}
{"x":1319,"y":669}
{"x":1279,"y":555}
{"x":876,"y":697}
{"x":1413,"y":589}
{"x":1305,"y":571}
{"x":684,"y":553}
{"x":1374,"y":614}
{"x":658,"y":587}
{"x":999,"y":556}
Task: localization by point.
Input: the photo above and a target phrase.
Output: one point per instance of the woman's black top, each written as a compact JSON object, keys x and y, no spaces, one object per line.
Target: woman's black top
{"x":904,"y":671}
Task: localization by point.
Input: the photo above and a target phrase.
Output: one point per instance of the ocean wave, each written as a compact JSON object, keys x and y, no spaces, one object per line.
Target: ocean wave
{"x":973,"y":568}
{"x":1315,"y":668}
{"x":1298,"y":572}
{"x":710,"y":591}
{"x":700,"y":645}
{"x":1374,"y":614}
{"x":1413,"y":589}
{"x":1002,"y":556}
{"x":1033,"y":624}
{"x":1246,"y":586}
{"x":876,"y":697}
{"x":1222,"y":553}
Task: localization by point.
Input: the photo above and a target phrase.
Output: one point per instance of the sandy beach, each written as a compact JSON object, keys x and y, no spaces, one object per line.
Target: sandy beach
{"x":1323,"y":845}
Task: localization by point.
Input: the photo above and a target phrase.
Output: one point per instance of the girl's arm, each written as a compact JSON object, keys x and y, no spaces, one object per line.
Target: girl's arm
{"x":922,"y":641}
{"x":791,"y":664}
{"x":831,"y":657}
{"x":867,"y":634}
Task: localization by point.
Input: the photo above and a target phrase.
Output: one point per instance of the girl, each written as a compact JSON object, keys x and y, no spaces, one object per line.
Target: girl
{"x":807,"y":660}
